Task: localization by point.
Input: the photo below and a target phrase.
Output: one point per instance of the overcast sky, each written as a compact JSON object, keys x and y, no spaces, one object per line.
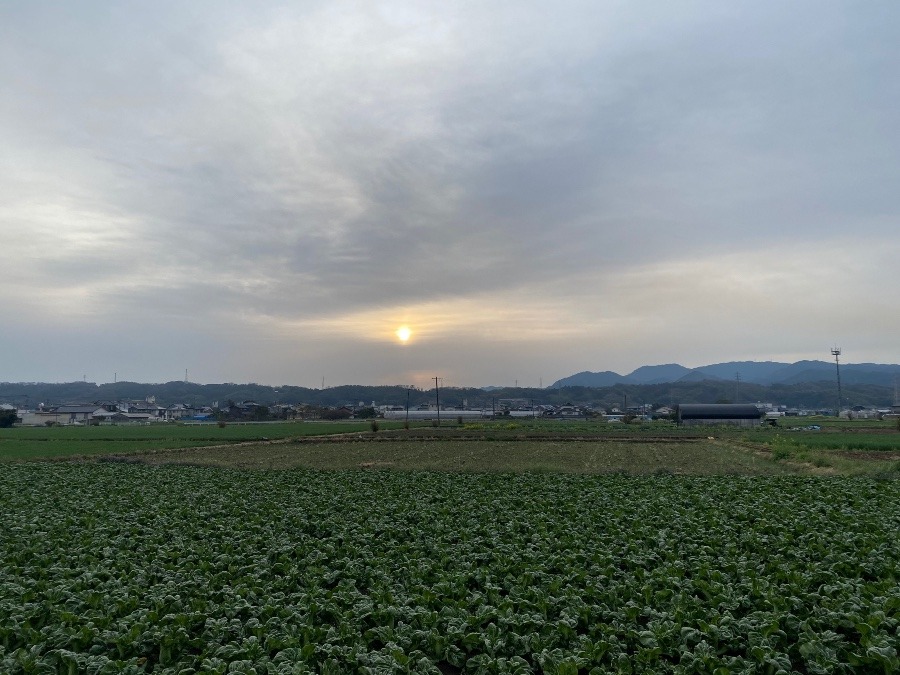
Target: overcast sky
{"x":265,"y":192}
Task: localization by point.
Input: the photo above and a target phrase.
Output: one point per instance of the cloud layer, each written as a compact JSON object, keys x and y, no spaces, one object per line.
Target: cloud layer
{"x":267,"y":192}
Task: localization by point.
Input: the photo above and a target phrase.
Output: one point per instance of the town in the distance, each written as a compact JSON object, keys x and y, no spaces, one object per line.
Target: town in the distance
{"x":775,"y":390}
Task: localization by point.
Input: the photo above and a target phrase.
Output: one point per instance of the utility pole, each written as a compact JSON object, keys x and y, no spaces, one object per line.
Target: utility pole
{"x":407,"y":405}
{"x":737,"y":385}
{"x":437,"y":398}
{"x":836,"y":353}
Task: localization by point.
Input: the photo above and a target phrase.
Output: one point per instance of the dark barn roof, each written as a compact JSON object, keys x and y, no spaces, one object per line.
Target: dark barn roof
{"x":83,"y":409}
{"x":718,"y":411}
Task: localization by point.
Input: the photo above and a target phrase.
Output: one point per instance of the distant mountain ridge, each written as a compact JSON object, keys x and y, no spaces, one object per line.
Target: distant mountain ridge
{"x":756,"y":372}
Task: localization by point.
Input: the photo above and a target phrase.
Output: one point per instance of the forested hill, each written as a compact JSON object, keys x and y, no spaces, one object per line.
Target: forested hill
{"x":809,"y":394}
{"x":755,"y":372}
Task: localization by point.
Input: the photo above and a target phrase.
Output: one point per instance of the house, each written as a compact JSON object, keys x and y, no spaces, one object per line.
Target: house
{"x":702,"y":414}
{"x":119,"y":417}
{"x":150,"y":411}
{"x":64,"y":414}
{"x":179,"y":411}
{"x":70,"y":414}
{"x":567,"y":412}
{"x":148,"y":408}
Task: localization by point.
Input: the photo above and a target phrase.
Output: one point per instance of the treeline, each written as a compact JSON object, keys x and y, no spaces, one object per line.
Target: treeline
{"x":811,"y":395}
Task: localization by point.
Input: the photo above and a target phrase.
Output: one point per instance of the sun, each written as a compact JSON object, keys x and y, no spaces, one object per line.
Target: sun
{"x":403,"y":333}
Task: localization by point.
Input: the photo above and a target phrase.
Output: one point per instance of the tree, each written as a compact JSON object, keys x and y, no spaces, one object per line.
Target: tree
{"x":366,"y":413}
{"x":8,"y":418}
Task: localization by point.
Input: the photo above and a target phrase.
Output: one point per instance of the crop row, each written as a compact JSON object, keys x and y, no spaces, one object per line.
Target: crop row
{"x":122,"y":568}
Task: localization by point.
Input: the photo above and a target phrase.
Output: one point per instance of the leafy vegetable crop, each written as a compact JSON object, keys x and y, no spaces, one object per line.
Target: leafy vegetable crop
{"x":122,"y":568}
{"x":872,"y":442}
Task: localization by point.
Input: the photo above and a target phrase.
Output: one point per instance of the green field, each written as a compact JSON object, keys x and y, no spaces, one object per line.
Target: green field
{"x":505,"y":547}
{"x":43,"y":442}
{"x":857,"y":447}
{"x":123,"y":568}
{"x":866,"y":441}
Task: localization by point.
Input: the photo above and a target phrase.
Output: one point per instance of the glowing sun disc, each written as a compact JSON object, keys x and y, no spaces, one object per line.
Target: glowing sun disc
{"x":403,"y":333}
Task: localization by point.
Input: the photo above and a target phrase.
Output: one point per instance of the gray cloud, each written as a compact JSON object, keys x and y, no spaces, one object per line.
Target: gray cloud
{"x":212,"y":172}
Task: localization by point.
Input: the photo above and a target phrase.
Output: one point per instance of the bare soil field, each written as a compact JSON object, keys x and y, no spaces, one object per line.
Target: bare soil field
{"x":684,"y":456}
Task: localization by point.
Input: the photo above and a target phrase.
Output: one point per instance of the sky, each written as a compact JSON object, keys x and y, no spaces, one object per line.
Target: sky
{"x":267,"y":192}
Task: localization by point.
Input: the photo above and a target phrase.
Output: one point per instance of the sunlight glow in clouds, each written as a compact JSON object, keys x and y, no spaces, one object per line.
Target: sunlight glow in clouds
{"x":268,"y":193}
{"x":403,"y":334}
